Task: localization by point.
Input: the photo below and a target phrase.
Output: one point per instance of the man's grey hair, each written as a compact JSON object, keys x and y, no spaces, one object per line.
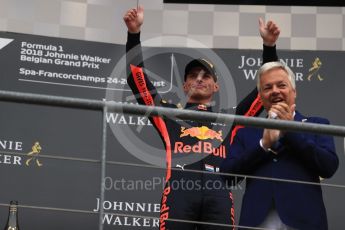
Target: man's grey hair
{"x":275,"y":65}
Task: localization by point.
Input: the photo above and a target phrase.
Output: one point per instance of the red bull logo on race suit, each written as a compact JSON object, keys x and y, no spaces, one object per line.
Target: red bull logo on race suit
{"x":202,"y":133}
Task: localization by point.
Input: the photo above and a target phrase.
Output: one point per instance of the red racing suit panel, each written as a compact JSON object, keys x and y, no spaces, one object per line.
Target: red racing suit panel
{"x":141,"y":85}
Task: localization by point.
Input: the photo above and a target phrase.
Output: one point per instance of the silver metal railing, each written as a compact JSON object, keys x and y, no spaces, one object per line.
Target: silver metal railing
{"x":106,"y":106}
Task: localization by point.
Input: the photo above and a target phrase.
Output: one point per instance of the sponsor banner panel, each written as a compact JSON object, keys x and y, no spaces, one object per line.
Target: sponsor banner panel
{"x":49,"y":156}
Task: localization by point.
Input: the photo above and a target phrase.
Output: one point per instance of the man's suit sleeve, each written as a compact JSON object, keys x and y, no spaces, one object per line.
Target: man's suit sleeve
{"x":244,"y":156}
{"x":316,"y":151}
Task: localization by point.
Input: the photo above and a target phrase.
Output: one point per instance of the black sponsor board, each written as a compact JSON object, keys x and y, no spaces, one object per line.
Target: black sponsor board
{"x":50,"y":155}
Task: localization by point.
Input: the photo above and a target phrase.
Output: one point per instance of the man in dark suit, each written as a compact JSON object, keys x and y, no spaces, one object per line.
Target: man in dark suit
{"x":283,"y":155}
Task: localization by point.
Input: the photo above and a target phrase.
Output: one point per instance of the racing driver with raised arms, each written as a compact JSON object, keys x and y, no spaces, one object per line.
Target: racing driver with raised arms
{"x":191,"y":145}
